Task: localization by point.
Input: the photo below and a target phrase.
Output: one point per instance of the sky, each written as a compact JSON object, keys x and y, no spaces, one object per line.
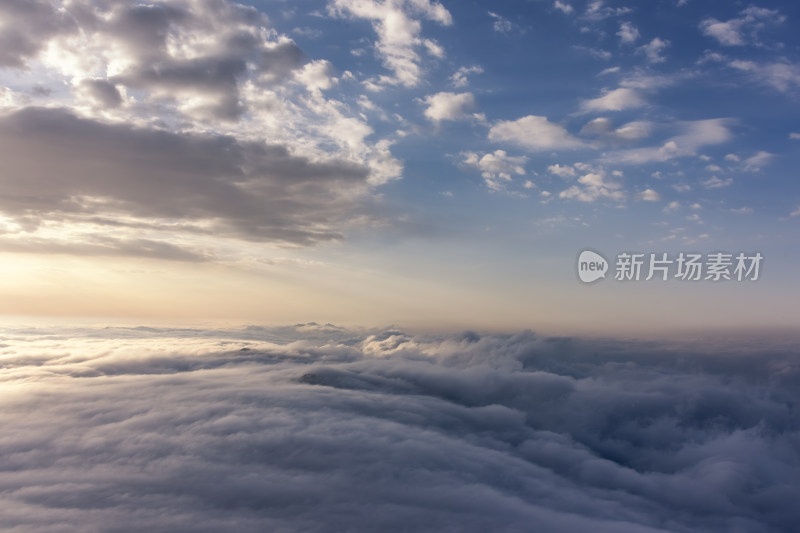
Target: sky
{"x":434,"y":165}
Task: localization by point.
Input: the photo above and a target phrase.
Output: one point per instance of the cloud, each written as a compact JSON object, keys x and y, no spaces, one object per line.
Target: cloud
{"x":460,"y":78}
{"x":246,"y":190}
{"x":448,"y":106}
{"x":593,"y":186}
{"x":316,"y":428}
{"x":597,"y":10}
{"x":795,"y":213}
{"x":398,"y":30}
{"x":496,"y":168}
{"x":794,"y":136}
{"x":649,"y":195}
{"x":189,"y":116}
{"x":561,"y":171}
{"x":653,"y":49}
{"x":563,"y":7}
{"x":534,"y":133}
{"x":627,"y":33}
{"x":744,"y":29}
{"x":615,"y":100}
{"x":672,"y":206}
{"x":501,"y":24}
{"x":716,"y":183}
{"x":781,"y":76}
{"x":695,"y":135}
{"x":755,"y":162}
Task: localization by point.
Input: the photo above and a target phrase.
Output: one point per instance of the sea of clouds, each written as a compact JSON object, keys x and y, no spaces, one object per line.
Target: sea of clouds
{"x":315,"y":428}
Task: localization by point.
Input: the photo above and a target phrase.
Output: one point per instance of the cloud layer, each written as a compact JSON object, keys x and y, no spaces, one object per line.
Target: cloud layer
{"x":316,"y":428}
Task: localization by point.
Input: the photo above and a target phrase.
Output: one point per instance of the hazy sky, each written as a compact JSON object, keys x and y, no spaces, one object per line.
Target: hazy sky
{"x":401,"y":161}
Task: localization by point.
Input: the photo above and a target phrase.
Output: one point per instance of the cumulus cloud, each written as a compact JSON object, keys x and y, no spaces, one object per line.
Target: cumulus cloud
{"x":649,"y":195}
{"x":743,"y":29}
{"x":448,"y":106}
{"x":563,"y":171}
{"x":563,"y":7}
{"x":615,"y":100}
{"x":534,"y":133}
{"x":315,"y":428}
{"x":461,"y":77}
{"x":496,"y":168}
{"x":594,"y":186}
{"x":399,"y":33}
{"x":653,"y":49}
{"x":189,"y":115}
{"x":628,"y":33}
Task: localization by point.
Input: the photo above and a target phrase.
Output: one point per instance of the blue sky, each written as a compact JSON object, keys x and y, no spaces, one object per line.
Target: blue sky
{"x":413,"y":162}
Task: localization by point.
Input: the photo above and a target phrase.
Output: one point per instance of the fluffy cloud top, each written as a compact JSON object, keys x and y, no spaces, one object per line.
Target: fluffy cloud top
{"x":398,"y":30}
{"x":184,"y":114}
{"x":315,"y":428}
{"x":616,"y":100}
{"x":534,"y":133}
{"x":496,"y":167}
{"x":448,"y":106}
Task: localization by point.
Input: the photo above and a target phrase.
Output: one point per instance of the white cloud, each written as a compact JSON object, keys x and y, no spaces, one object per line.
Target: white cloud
{"x":316,"y":428}
{"x":695,"y":135}
{"x":501,"y":24}
{"x":597,"y":10}
{"x":794,"y":136}
{"x":562,"y":171}
{"x":634,"y":131}
{"x":448,"y":106}
{"x":616,"y":100}
{"x":744,"y":29}
{"x":649,"y":195}
{"x":742,"y":211}
{"x":672,"y":206}
{"x":653,"y":49}
{"x":592,"y":187}
{"x":628,"y":33}
{"x":398,"y":30}
{"x":716,"y":183}
{"x":496,"y":168}
{"x":460,"y":78}
{"x":796,"y":212}
{"x":755,"y":162}
{"x":534,"y":133}
{"x":732,"y":157}
{"x":563,"y":7}
{"x":781,"y":76}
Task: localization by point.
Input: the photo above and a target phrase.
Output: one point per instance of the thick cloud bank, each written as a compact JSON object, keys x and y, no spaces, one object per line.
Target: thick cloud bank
{"x":315,"y":428}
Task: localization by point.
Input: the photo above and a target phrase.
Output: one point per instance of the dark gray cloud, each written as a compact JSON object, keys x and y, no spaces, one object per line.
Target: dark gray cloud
{"x":59,"y":167}
{"x":102,"y":92}
{"x":26,"y":26}
{"x":316,"y":428}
